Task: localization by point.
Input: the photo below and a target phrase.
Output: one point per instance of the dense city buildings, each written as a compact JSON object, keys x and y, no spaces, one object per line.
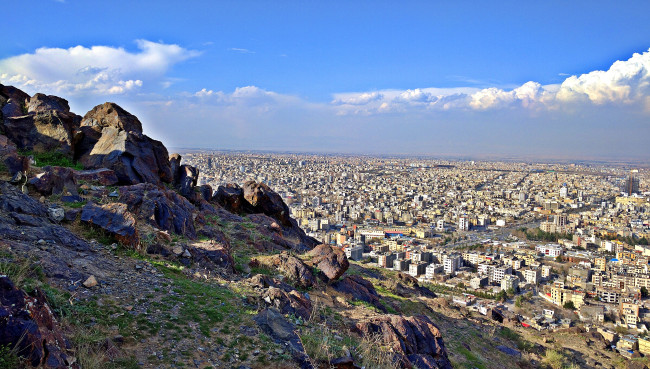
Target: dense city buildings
{"x":567,"y":238}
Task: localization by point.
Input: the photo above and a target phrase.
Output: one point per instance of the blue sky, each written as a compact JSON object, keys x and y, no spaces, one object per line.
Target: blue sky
{"x":506,"y":78}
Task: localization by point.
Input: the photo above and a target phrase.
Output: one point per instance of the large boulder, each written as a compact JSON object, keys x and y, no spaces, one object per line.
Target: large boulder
{"x":175,"y":165}
{"x":42,"y":103}
{"x":11,"y":109}
{"x":212,"y":255}
{"x":55,"y":181}
{"x":11,"y":92}
{"x":115,"y":219}
{"x":26,"y":219}
{"x":282,"y":296}
{"x":27,"y":322}
{"x":266,"y":201}
{"x":110,"y":137}
{"x":279,"y":329}
{"x":293,"y":269}
{"x":355,"y":287}
{"x":415,"y":340}
{"x":162,"y":208}
{"x":9,"y":157}
{"x":231,"y":197}
{"x":332,"y":261}
{"x":187,"y":179}
{"x":12,"y":102}
{"x":45,"y":131}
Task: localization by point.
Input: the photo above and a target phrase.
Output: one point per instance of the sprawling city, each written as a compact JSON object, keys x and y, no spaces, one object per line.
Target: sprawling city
{"x":342,"y":184}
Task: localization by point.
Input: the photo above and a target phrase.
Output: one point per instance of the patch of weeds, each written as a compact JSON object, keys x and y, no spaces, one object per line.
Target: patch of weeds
{"x":9,"y":358}
{"x":128,"y":363}
{"x":74,"y":205}
{"x":52,"y":158}
{"x":90,"y":232}
{"x":472,"y":360}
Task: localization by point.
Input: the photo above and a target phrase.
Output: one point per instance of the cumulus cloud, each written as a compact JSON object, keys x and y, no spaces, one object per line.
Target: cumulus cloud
{"x":625,"y":82}
{"x":102,"y":70}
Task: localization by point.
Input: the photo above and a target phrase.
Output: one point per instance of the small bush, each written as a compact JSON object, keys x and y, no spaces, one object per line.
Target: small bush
{"x":9,"y":358}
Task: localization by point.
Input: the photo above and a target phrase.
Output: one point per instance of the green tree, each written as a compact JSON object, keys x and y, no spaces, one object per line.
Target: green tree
{"x":644,"y":292}
{"x":519,"y":301}
{"x":569,"y":305}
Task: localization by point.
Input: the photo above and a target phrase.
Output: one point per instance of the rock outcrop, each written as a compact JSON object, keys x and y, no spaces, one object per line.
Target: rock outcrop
{"x":293,"y":269}
{"x":24,"y":218}
{"x":110,"y":137}
{"x":231,"y":197}
{"x":44,"y":124}
{"x":115,"y":219}
{"x":266,"y":201}
{"x":416,"y":340}
{"x":55,"y":181}
{"x":162,"y":208}
{"x":354,"y":287}
{"x":329,"y":260}
{"x":282,"y":296}
{"x":102,"y":176}
{"x":28,"y":322}
{"x":273,"y":323}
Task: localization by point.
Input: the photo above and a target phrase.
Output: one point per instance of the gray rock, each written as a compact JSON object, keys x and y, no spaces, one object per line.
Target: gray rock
{"x":56,"y":214}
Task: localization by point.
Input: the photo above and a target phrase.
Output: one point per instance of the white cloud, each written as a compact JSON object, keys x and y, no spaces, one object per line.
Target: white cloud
{"x":241,"y":50}
{"x":626,"y":82}
{"x":96,"y":70}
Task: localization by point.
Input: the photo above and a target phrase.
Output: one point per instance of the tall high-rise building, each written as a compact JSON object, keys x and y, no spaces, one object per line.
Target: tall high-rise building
{"x":631,"y":184}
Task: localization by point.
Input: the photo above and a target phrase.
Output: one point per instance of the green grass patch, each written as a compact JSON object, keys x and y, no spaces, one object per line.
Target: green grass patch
{"x":52,"y":158}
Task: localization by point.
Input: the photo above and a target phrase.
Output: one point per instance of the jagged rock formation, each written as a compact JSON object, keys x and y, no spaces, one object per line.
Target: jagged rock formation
{"x":162,"y":208}
{"x":111,"y":137}
{"x":29,"y":321}
{"x":282,"y":296}
{"x":114,"y":219}
{"x":415,"y":339}
{"x":354,"y":287}
{"x":294,"y":269}
{"x":329,"y":260}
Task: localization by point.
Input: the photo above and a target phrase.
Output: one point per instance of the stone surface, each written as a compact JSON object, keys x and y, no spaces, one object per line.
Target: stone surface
{"x":113,"y":218}
{"x":292,"y":302}
{"x":162,"y":208}
{"x":28,"y":322}
{"x":101,"y":176}
{"x":211,"y":255}
{"x":56,"y":213}
{"x":293,"y":269}
{"x":282,"y":296}
{"x":509,"y":351}
{"x":41,"y":103}
{"x":90,"y":282}
{"x":283,"y":332}
{"x":357,"y":288}
{"x":46,"y":131}
{"x":266,"y":201}
{"x":187,"y":178}
{"x":26,"y":219}
{"x":231,"y":197}
{"x":9,"y":156}
{"x":416,"y":340}
{"x":112,"y":138}
{"x":55,"y":181}
{"x":329,"y":260}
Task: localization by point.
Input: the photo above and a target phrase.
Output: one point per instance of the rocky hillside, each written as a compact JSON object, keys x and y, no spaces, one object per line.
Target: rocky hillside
{"x":111,"y":256}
